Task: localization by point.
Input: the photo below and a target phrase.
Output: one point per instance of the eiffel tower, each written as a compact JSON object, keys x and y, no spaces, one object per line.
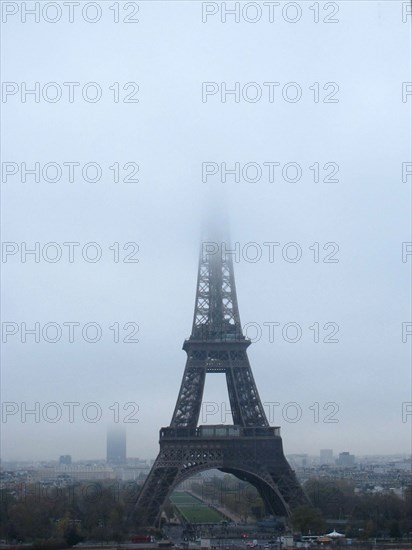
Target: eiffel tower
{"x":249,"y":449}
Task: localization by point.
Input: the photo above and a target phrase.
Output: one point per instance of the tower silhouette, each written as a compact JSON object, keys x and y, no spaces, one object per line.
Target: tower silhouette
{"x":250,"y":449}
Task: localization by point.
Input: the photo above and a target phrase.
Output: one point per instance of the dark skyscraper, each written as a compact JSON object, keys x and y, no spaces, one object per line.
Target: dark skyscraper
{"x":116,"y":445}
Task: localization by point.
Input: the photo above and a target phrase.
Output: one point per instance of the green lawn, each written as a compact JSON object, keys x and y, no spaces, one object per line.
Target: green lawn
{"x":194,"y":510}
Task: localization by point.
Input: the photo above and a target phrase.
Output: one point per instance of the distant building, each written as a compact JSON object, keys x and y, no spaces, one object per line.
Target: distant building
{"x":65,"y":459}
{"x":134,"y":473}
{"x":326,"y":456}
{"x":298,"y":460}
{"x":346,"y":459}
{"x":78,"y":472}
{"x":116,"y":445}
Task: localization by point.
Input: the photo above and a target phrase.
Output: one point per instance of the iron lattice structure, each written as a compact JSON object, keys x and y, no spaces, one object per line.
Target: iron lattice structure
{"x":250,"y":448}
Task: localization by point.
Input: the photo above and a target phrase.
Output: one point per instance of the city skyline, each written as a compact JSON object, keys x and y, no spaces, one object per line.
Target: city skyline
{"x":131,"y":459}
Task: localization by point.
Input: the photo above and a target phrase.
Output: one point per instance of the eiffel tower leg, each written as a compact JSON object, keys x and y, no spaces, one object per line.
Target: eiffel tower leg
{"x":189,"y":400}
{"x":289,"y":487}
{"x":280,"y":493}
{"x":151,"y":499}
{"x":247,"y":409}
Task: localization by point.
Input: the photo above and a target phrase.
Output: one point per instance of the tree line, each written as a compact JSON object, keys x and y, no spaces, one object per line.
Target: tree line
{"x":61,"y":517}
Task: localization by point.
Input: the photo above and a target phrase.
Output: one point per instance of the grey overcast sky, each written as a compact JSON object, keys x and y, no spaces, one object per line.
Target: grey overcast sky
{"x":320,"y":114}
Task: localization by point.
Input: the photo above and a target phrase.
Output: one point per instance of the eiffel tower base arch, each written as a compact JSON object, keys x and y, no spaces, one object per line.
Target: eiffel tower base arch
{"x":257,"y":459}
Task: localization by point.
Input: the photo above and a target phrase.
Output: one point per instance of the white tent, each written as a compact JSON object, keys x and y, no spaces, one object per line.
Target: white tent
{"x":334,"y":535}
